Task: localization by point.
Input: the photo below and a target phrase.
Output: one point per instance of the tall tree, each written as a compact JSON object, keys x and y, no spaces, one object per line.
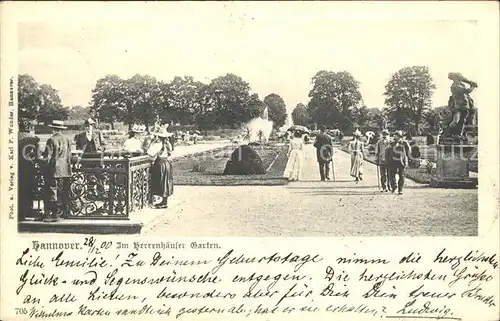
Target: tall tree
{"x":184,"y":99}
{"x":144,"y":100}
{"x":51,"y":106}
{"x":109,"y":100}
{"x":232,"y":101}
{"x":335,"y":97}
{"x":408,"y":95}
{"x":300,"y":115}
{"x":277,"y":109}
{"x":29,"y":98}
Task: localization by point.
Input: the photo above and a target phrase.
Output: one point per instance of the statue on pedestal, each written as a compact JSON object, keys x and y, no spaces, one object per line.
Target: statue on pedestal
{"x":461,"y":106}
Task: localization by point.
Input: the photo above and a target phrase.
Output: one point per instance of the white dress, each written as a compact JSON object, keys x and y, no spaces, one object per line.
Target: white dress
{"x":132,"y":145}
{"x":293,"y":168}
{"x":356,"y":148}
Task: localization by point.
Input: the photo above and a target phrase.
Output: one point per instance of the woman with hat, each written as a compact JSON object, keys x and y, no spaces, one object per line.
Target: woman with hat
{"x":293,"y":167}
{"x":162,"y":183}
{"x":356,"y":149}
{"x":133,"y":144}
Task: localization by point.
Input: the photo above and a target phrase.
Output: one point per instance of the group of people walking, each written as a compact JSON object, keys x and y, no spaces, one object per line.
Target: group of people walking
{"x":56,"y":166}
{"x":392,"y":156}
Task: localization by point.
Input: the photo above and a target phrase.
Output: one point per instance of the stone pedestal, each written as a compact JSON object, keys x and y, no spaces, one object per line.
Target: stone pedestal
{"x":452,"y":168}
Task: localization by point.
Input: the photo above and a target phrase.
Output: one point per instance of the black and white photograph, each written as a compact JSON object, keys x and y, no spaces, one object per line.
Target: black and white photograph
{"x":248,"y":125}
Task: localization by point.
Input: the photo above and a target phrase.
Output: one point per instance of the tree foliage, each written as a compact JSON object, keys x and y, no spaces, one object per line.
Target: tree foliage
{"x":363,"y":117}
{"x":143,"y":99}
{"x":233,"y":103}
{"x":408,"y":96}
{"x":185,"y":99}
{"x":29,"y":98}
{"x":79,"y":112}
{"x":277,"y":109}
{"x":300,"y":115}
{"x":39,"y":101}
{"x":109,"y":100}
{"x":335,"y":97}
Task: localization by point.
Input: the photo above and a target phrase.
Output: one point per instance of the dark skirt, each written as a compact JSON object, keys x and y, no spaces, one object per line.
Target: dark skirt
{"x":162,"y":180}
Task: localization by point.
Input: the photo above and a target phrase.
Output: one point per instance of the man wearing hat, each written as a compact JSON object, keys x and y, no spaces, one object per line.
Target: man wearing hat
{"x":28,"y":149}
{"x":397,"y":156}
{"x":380,"y":148}
{"x":57,"y":172}
{"x":324,"y":153}
{"x":91,"y":140}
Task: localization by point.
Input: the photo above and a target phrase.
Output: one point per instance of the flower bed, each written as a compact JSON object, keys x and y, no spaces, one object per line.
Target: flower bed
{"x":207,"y":168}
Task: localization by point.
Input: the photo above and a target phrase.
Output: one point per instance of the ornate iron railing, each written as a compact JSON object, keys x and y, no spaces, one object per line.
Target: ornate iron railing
{"x":108,"y":185}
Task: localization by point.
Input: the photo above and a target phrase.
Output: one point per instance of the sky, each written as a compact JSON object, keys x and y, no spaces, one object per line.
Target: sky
{"x":274,"y":54}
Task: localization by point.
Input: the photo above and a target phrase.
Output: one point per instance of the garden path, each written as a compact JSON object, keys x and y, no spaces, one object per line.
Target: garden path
{"x":314,"y":208}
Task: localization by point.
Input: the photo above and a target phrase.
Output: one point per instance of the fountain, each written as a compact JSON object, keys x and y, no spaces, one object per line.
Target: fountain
{"x":259,"y":129}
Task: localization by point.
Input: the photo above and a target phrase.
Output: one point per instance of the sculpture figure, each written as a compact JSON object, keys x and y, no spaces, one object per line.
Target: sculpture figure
{"x":461,"y":106}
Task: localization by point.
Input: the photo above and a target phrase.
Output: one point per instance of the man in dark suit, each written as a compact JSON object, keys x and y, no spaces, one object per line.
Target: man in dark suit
{"x":397,"y":156}
{"x":57,"y":173}
{"x":28,"y":149}
{"x":91,"y":140}
{"x":324,"y":152}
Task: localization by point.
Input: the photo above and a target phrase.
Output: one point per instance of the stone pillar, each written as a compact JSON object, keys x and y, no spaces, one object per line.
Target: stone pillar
{"x":452,"y":168}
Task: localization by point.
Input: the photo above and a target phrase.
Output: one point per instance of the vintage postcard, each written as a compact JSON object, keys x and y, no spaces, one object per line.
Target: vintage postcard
{"x":248,"y":160}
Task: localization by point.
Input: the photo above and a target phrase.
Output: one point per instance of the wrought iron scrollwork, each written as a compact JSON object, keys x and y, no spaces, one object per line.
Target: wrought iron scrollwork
{"x":110,"y":187}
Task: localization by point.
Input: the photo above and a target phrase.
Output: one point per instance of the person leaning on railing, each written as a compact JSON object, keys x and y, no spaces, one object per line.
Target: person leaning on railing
{"x":134,"y":144}
{"x":162,"y":181}
{"x":91,"y":140}
{"x":56,"y":160}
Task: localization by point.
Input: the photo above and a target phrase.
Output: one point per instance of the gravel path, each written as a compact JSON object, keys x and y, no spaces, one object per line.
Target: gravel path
{"x":314,"y":208}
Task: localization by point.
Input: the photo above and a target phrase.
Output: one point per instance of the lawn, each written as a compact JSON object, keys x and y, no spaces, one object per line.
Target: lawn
{"x":207,"y":168}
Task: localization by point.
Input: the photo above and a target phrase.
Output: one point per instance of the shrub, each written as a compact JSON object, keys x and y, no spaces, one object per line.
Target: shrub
{"x":244,"y":161}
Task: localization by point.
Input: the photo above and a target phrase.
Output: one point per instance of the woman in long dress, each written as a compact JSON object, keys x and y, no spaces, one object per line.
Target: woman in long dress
{"x":356,"y":149}
{"x":295,"y":158}
{"x":162,"y":180}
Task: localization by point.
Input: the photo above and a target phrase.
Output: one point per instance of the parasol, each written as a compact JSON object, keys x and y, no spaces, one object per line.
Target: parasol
{"x":299,"y":128}
{"x":370,"y":134}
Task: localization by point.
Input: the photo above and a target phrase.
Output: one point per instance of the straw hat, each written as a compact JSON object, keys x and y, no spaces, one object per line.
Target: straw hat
{"x":398,"y":133}
{"x":59,"y":124}
{"x":137,"y":129}
{"x":357,"y":133}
